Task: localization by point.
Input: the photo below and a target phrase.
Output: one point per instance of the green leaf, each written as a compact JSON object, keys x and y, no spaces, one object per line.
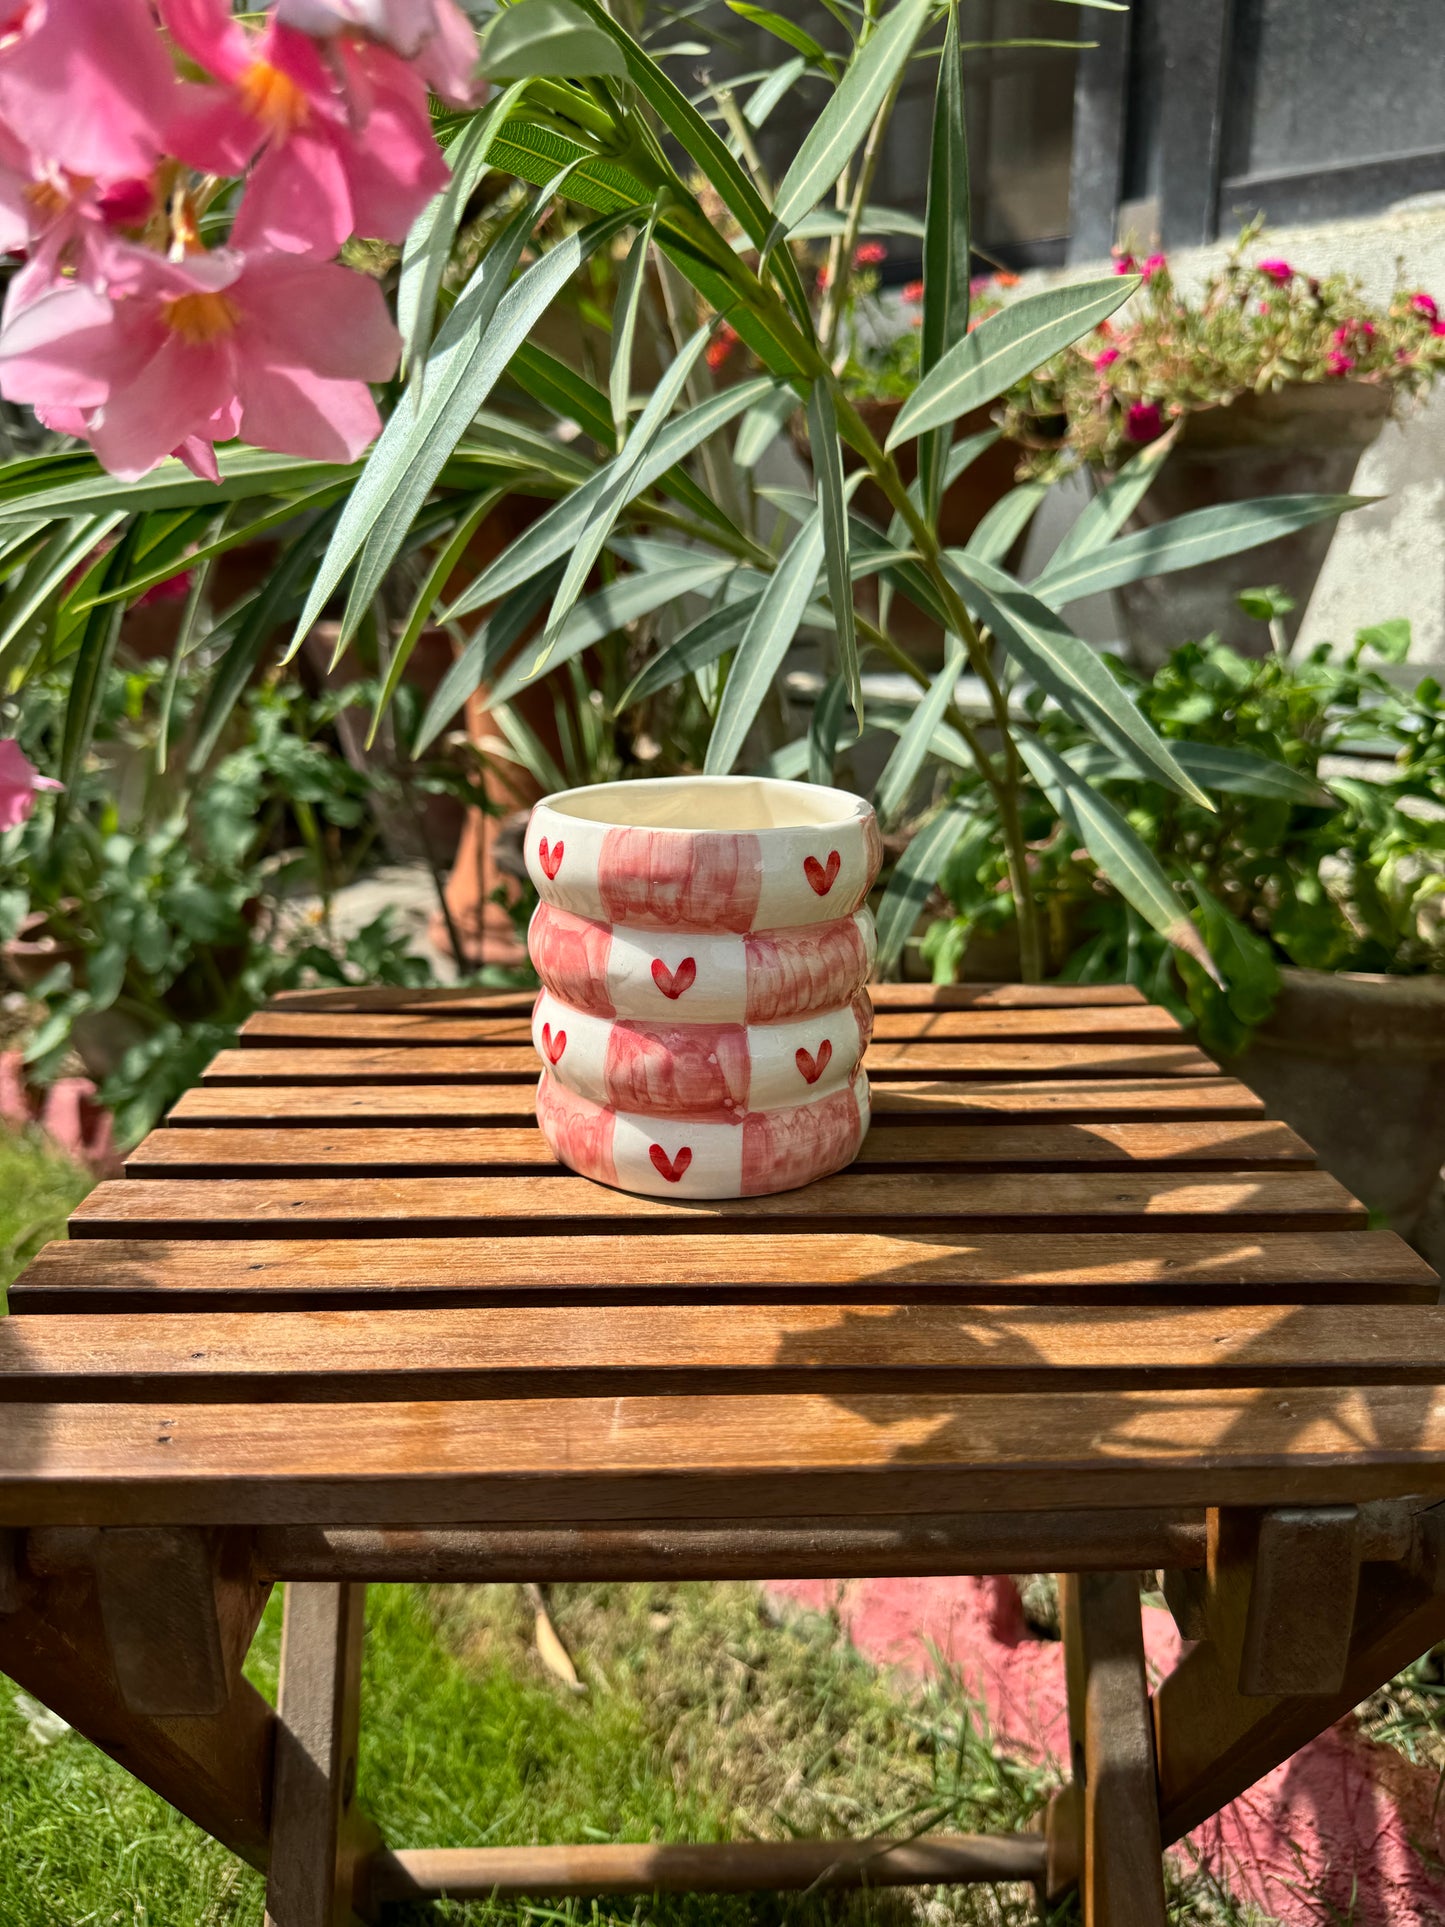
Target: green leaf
{"x":823,"y":728}
{"x":1071,"y":672}
{"x":88,"y":672}
{"x":946,"y":249}
{"x":762,"y":424}
{"x":612,"y":608}
{"x":624,"y":327}
{"x":1390,"y":640}
{"x":1204,"y":535}
{"x":824,"y":222}
{"x":829,"y":142}
{"x":557,"y":532}
{"x":785,"y":30}
{"x":911,"y":884}
{"x":429,"y":244}
{"x":1005,"y":521}
{"x":498,"y":634}
{"x":764,"y":643}
{"x":45,"y":575}
{"x":765,"y":97}
{"x":620,"y":477}
{"x":1103,"y":517}
{"x":244,"y":471}
{"x":900,"y":772}
{"x":1006,"y":347}
{"x":1116,"y":848}
{"x":833,"y":510}
{"x":547,"y":37}
{"x":705,"y":642}
{"x":1214,"y":766}
{"x":476,"y":341}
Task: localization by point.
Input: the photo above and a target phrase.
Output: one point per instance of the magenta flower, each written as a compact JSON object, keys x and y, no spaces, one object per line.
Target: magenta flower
{"x":347,"y":139}
{"x":1279,"y":272}
{"x":1154,"y":265}
{"x":1426,"y":305}
{"x":434,"y":34}
{"x":1143,"y":422}
{"x":19,"y":780}
{"x":1338,"y":362}
{"x":1106,"y":358}
{"x":1437,"y":327}
{"x":1125,"y":264}
{"x":86,"y":84}
{"x":178,"y":355}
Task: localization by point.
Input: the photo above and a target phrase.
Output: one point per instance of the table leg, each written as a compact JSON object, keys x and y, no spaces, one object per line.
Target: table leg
{"x":318,"y":1833}
{"x":1120,"y":1859}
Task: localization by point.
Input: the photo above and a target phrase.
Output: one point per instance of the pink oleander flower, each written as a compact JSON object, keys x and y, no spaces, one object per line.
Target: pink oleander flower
{"x":19,"y":780}
{"x":1125,"y":264}
{"x":342,"y":129}
{"x":913,"y":293}
{"x":1143,"y":421}
{"x":1339,"y":363}
{"x":86,"y":85}
{"x":434,"y":34}
{"x":51,"y":217}
{"x":869,"y":255}
{"x":1106,"y":358}
{"x":1426,"y":305}
{"x":175,"y":355}
{"x":1154,"y":265}
{"x":1280,"y":272}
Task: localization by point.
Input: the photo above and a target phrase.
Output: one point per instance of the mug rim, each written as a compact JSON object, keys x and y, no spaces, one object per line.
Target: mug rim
{"x":847,"y":808}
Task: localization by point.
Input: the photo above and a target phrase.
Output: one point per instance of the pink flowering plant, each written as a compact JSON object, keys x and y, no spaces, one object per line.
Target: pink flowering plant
{"x":332,"y":274}
{"x":1259,"y":325}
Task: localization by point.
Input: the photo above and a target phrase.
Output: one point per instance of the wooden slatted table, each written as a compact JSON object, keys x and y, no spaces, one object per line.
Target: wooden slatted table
{"x":1080,"y":1306}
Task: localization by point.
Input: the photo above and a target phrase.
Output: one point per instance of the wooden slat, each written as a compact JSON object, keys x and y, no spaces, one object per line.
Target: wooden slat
{"x":178,"y":1152}
{"x":500,"y":1063}
{"x":1130,"y":1267}
{"x":547,"y":1351}
{"x":903,"y":1102}
{"x":580,"y":1459}
{"x":459,"y":1206}
{"x":384,"y":997}
{"x":445,"y":1027}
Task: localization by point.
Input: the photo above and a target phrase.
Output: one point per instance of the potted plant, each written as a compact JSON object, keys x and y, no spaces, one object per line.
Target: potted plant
{"x":1319,"y":883}
{"x":1269,"y":381}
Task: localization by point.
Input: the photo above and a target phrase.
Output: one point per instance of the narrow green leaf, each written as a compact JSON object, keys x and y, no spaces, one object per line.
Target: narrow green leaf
{"x":1103,"y":517}
{"x":555,"y":533}
{"x":527,"y":748}
{"x":1006,"y":347}
{"x":765,"y":97}
{"x":45,"y":575}
{"x":624,"y":327}
{"x":244,"y":471}
{"x":429,"y":244}
{"x":551,"y":37}
{"x":1005,"y":521}
{"x":508,"y":622}
{"x":1069,"y":670}
{"x":900,"y":772}
{"x":823,"y":729}
{"x":1116,"y":847}
{"x":1204,"y":535}
{"x":788,"y":31}
{"x":763,"y":423}
{"x":613,"y":607}
{"x":829,"y":142}
{"x":764,"y":643}
{"x":911,"y":885}
{"x":947,"y":246}
{"x":704,"y":643}
{"x":824,"y":222}
{"x":87,"y":676}
{"x":833,"y":510}
{"x":1214,"y":766}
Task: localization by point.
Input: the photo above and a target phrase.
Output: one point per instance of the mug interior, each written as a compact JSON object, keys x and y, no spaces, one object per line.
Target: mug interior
{"x":718,"y":803}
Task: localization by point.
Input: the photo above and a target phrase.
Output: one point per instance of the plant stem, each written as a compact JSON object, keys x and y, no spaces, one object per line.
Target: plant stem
{"x":835,"y":299}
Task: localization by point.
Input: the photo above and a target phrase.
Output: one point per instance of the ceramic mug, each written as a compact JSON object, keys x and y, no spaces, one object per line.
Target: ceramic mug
{"x":703,"y":946}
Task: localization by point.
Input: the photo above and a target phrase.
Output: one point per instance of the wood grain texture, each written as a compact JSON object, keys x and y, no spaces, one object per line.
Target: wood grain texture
{"x":448,"y":1027}
{"x":177,"y":1151}
{"x":911,"y":1102}
{"x":583,"y":1459}
{"x":458,"y":1206}
{"x":500,"y":1351}
{"x":1131,"y":1267}
{"x":385,"y":997}
{"x":501,"y":1063}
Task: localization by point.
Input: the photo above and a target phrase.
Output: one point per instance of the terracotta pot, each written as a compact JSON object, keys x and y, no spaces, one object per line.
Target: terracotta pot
{"x":703,"y":947}
{"x":1356,"y":1063}
{"x":1301,"y":440}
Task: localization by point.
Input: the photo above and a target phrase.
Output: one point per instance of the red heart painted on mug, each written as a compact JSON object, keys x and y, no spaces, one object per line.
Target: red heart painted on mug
{"x":554,"y":1046}
{"x":670,"y":1168}
{"x":551,"y":860}
{"x":822,"y":880}
{"x":814,"y":1067}
{"x":672,"y":983}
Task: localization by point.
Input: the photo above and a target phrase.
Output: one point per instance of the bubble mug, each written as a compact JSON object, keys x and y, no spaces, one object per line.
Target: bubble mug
{"x":703,"y":947}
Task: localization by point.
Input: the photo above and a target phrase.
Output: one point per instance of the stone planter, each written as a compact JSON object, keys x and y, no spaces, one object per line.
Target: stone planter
{"x":1356,"y":1064}
{"x":1303,"y":440}
{"x":703,"y":947}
